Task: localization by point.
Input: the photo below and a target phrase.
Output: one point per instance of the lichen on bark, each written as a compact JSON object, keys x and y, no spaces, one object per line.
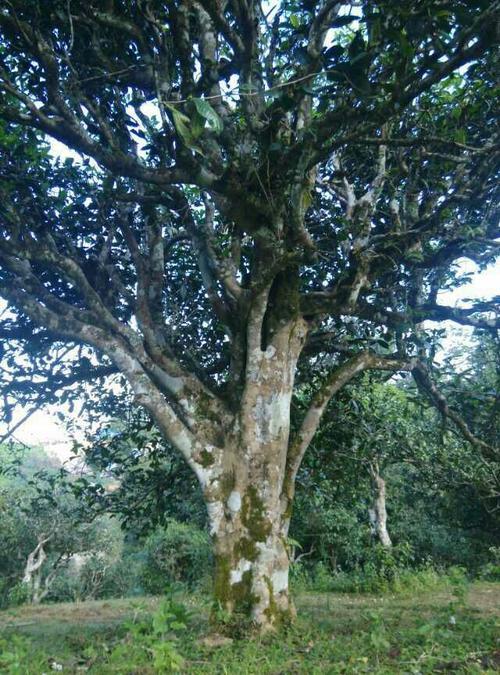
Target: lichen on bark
{"x":253,"y":515}
{"x":206,"y":459}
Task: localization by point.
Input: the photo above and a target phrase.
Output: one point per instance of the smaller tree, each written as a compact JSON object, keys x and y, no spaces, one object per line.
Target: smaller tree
{"x":474,"y":391}
{"x":380,"y":426}
{"x":381,"y":442}
{"x":43,"y":527}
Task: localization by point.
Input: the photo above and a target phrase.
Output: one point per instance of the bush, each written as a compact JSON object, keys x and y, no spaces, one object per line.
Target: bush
{"x":388,"y":571}
{"x":384,"y":570}
{"x":177,"y":553}
{"x":15,"y":653}
{"x":99,"y":578}
{"x":4,"y":593}
{"x":17,"y":595}
{"x":491,"y":570}
{"x":121,"y":578}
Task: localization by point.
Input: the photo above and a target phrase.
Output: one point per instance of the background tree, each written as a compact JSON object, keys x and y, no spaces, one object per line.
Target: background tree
{"x":441,"y":497}
{"x":253,"y":182}
{"x":474,"y":391}
{"x":42,"y":527}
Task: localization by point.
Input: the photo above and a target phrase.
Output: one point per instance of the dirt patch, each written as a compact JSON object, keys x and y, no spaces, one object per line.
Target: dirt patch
{"x":106,"y":611}
{"x":485,"y":597}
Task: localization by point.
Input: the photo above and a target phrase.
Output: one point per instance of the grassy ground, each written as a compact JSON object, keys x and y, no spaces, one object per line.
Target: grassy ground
{"x":433,"y":632}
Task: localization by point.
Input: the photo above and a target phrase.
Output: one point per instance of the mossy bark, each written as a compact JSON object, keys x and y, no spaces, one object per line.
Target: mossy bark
{"x":247,"y":502}
{"x":252,"y":565}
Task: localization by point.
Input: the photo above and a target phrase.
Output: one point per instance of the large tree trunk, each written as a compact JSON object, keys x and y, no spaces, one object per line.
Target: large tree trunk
{"x":240,"y":447}
{"x":251,"y":575}
{"x":250,"y":514}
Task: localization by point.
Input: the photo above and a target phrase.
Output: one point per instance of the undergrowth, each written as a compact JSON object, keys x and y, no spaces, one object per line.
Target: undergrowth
{"x":384,"y":571}
{"x":424,"y":632}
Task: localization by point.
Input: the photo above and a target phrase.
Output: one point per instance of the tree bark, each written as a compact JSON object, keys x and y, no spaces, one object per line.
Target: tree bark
{"x":32,"y":577}
{"x":378,"y":513}
{"x":252,"y":564}
{"x":246,"y":463}
{"x":249,"y":516}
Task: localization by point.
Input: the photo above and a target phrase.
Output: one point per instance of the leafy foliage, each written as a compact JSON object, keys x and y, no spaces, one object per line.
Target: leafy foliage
{"x":439,"y":494}
{"x":176,"y":553}
{"x":146,"y":112}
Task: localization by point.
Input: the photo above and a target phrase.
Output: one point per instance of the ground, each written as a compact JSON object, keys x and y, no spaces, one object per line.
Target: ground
{"x":439,"y":631}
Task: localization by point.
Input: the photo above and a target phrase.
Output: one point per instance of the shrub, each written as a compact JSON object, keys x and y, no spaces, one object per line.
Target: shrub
{"x":383,"y":570}
{"x":177,"y":553}
{"x":15,"y":653}
{"x":151,"y":642}
{"x":121,"y":578}
{"x":99,"y":577}
{"x":491,"y":570}
{"x":17,"y":595}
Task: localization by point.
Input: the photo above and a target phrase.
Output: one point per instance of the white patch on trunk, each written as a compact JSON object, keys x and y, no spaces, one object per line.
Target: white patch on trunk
{"x":187,"y":405}
{"x":271,"y":415}
{"x":281,"y":416}
{"x":270,"y":352}
{"x":183,"y":441}
{"x":206,"y":475}
{"x":267,"y":551}
{"x":234,"y":501}
{"x":279,"y":580}
{"x":174,"y":384}
{"x":203,"y":475}
{"x":215,"y":512}
{"x":236,"y":575}
{"x":254,"y":365}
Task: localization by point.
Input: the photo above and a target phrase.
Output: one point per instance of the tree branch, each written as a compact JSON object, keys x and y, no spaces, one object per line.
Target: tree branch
{"x":426,"y":385}
{"x":337,"y":379}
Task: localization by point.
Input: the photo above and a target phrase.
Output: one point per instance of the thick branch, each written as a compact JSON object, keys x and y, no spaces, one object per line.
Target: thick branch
{"x":426,"y":385}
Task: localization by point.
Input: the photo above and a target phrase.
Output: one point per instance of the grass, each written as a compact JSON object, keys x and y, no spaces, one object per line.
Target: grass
{"x":440,"y":631}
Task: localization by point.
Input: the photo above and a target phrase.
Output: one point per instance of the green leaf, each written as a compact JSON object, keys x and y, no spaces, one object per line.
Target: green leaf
{"x":405,"y":45}
{"x":197,"y":124}
{"x":183,"y":127}
{"x":293,"y":542}
{"x":181,"y":123}
{"x":206,"y":111}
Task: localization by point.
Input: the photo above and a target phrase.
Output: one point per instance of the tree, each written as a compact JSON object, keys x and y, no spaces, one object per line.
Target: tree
{"x":439,"y":489}
{"x":392,"y":430}
{"x":473,"y":389}
{"x":42,"y":527}
{"x":371,"y":426}
{"x":261,"y":188}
